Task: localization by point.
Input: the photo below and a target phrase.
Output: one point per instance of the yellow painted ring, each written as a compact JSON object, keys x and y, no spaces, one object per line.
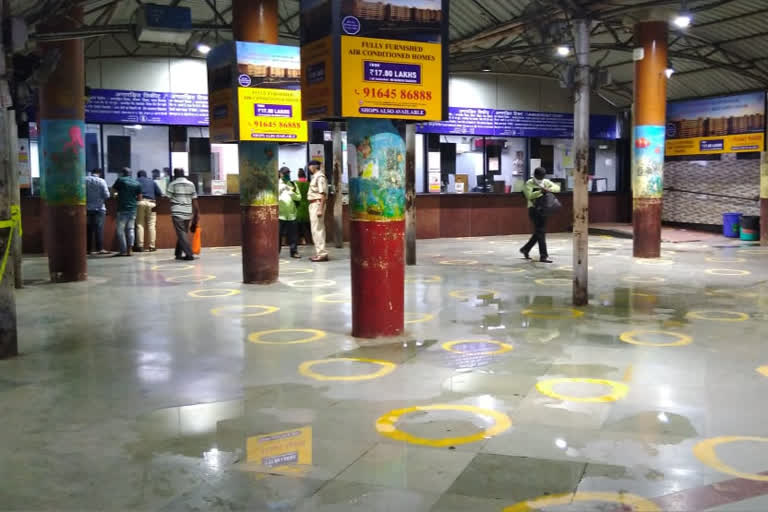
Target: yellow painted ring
{"x":311,"y":283}
{"x":171,"y":266}
{"x":512,"y":270}
{"x":727,"y":272}
{"x":315,"y":334}
{"x":754,"y":250}
{"x":643,"y":280}
{"x":654,"y":262}
{"x":328,"y":298}
{"x":637,"y":503}
{"x":464,"y":293}
{"x":184,"y":278}
{"x":569,"y":268}
{"x":553,"y":281}
{"x":386,"y":425}
{"x":265,"y":310}
{"x":618,"y":390}
{"x":605,"y":245}
{"x":295,"y":271}
{"x":458,"y":262}
{"x":423,"y":279}
{"x":478,"y":252}
{"x":552,"y":313}
{"x":726,"y":260}
{"x":762,"y":370}
{"x":631,"y":337}
{"x":387,"y":367}
{"x":417,"y":318}
{"x":732,"y":293}
{"x":705,"y":452}
{"x":503,"y":347}
{"x":737,"y":316}
{"x":220,"y":292}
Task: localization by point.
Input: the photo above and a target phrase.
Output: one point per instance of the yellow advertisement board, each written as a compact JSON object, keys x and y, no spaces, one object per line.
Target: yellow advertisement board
{"x":222,"y":116}
{"x":284,"y":452}
{"x":748,"y":142}
{"x":317,"y":79}
{"x":385,"y":78}
{"x":270,"y":115}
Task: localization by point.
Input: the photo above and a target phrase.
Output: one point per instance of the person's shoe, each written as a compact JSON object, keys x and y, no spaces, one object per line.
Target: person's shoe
{"x":103,"y":252}
{"x":318,"y":258}
{"x":138,"y":249}
{"x":296,"y":256}
{"x":546,"y":259}
{"x":152,"y":249}
{"x":121,"y":255}
{"x":90,"y":253}
{"x":188,"y":258}
{"x":525,"y":254}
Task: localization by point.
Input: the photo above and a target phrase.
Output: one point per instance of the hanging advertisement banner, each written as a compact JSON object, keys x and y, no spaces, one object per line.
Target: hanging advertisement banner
{"x":317,"y":79}
{"x":723,"y":124}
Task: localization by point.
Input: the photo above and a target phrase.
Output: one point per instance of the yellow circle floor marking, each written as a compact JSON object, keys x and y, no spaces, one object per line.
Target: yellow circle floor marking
{"x":335,"y":298}
{"x":478,"y":252}
{"x":618,"y":389}
{"x":471,"y":293}
{"x":417,"y":318}
{"x":762,"y":370}
{"x":726,"y":260}
{"x":705,"y":452}
{"x":569,"y":268}
{"x":171,"y":266}
{"x":387,"y":367}
{"x":386,"y":425}
{"x":284,"y":262}
{"x":311,"y":283}
{"x":423,"y":279}
{"x":727,"y":272}
{"x":718,"y":316}
{"x":190,"y":278}
{"x":512,"y":270}
{"x":458,"y":262}
{"x":450,"y":346}
{"x":213,"y":293}
{"x":643,"y":280}
{"x":553,"y":281}
{"x":605,"y":245}
{"x":242,"y":309}
{"x":732,"y":293}
{"x":552,"y":313}
{"x":631,"y":337}
{"x":754,"y":250}
{"x":296,"y":271}
{"x":654,"y":262}
{"x":314,"y":335}
{"x":637,"y":503}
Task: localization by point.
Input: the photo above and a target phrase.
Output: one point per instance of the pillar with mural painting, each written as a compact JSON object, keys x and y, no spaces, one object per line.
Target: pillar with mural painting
{"x":764,"y":198}
{"x":648,"y":136}
{"x":62,"y":153}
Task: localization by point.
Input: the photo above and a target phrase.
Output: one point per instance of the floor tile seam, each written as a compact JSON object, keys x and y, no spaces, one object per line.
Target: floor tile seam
{"x":336,"y":476}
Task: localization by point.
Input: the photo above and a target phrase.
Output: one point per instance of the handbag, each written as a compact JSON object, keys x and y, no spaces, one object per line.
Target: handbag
{"x":548,"y":203}
{"x":197,"y":240}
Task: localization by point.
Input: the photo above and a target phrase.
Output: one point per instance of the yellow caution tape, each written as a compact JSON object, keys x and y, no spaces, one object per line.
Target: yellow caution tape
{"x":13,"y":223}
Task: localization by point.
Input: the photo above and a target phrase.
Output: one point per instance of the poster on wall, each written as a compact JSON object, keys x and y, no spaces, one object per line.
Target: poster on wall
{"x":723,"y":124}
{"x":317,"y":152}
{"x":146,"y":107}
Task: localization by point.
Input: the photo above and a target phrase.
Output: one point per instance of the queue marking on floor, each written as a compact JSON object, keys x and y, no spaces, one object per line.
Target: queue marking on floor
{"x":387,"y":367}
{"x":637,"y":503}
{"x":185,"y":278}
{"x":417,"y":318}
{"x":763,"y":370}
{"x":264,"y":310}
{"x":386,"y":425}
{"x":553,"y":281}
{"x":725,"y":260}
{"x":643,"y":279}
{"x":310,"y":283}
{"x":314,"y":335}
{"x":631,"y":337}
{"x":503,"y":347}
{"x":705,"y":452}
{"x":512,"y":270}
{"x":618,"y":389}
{"x":552,"y":313}
{"x":727,"y":272}
{"x":295,"y":271}
{"x":330,"y":298}
{"x":171,"y":266}
{"x":718,"y":316}
{"x":219,"y":292}
{"x":458,"y":262}
{"x":654,"y":262}
{"x":469,"y":293}
{"x":423,"y":279}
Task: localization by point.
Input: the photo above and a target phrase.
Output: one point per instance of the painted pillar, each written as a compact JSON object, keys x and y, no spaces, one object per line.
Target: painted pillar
{"x":648,"y":134}
{"x":62,"y":154}
{"x":377,"y":225}
{"x":410,"y":194}
{"x":764,"y":198}
{"x":338,"y":211}
{"x":257,"y":21}
{"x":581,"y":175}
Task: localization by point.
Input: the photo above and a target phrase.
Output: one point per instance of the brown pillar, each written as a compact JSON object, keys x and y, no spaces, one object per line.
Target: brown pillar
{"x":648,"y":136}
{"x":62,"y":153}
{"x":257,"y":21}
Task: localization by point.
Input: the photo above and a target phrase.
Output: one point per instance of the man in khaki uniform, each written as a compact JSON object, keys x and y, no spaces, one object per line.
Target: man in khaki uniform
{"x":317,"y":195}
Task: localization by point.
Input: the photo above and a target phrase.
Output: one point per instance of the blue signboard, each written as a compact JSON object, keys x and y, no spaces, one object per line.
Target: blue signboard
{"x":517,"y":123}
{"x":146,"y":107}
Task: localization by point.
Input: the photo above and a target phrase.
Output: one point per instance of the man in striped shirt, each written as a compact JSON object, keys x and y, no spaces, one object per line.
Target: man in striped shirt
{"x":184,"y":212}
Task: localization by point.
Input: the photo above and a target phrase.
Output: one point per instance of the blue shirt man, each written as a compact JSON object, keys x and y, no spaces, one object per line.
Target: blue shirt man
{"x":96,"y":192}
{"x":146,"y":218}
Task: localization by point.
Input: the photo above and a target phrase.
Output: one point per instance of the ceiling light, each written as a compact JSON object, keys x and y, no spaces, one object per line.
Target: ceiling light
{"x":486,"y":67}
{"x":563,"y":51}
{"x":203,"y":48}
{"x":682,"y":20}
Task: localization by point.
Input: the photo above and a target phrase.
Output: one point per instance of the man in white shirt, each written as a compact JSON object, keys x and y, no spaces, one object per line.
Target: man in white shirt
{"x":185,"y":212}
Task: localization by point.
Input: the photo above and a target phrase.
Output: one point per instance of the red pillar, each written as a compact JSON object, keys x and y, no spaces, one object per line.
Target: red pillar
{"x":257,"y":21}
{"x":648,"y":136}
{"x":764,"y":198}
{"x":377,"y":226}
{"x":62,"y":154}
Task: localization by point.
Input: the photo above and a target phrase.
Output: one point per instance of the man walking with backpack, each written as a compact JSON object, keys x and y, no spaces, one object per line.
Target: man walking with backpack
{"x":535,"y":191}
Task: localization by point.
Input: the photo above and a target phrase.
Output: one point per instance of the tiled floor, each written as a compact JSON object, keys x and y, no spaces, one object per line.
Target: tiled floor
{"x":145,"y":388}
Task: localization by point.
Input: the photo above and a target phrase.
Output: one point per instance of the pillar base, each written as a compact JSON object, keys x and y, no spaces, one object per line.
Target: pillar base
{"x":764,"y":222}
{"x":646,"y":227}
{"x":260,"y":231}
{"x":378,"y":275}
{"x":66,"y":243}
